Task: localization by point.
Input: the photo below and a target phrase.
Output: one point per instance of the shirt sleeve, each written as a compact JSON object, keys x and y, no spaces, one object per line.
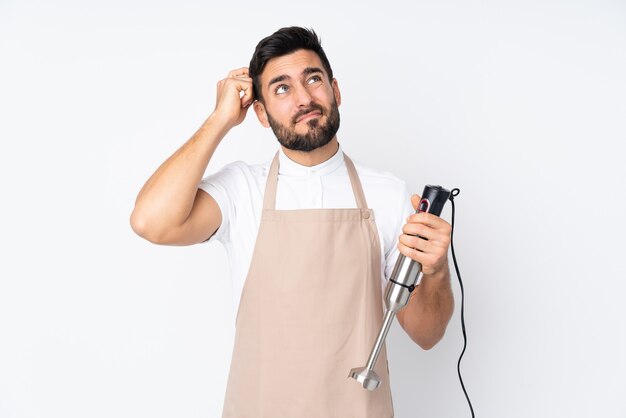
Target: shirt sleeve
{"x":405,"y":209}
{"x":222,"y":186}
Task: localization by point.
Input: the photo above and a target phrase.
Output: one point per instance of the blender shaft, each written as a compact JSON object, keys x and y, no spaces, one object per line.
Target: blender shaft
{"x":380,"y":340}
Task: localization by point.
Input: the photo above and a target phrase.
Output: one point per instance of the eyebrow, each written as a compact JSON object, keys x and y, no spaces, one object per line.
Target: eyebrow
{"x":278,"y":79}
{"x":311,"y":70}
{"x":306,"y":71}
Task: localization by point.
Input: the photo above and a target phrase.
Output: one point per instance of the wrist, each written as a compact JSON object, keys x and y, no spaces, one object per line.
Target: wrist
{"x":218,"y":124}
{"x":440,"y":274}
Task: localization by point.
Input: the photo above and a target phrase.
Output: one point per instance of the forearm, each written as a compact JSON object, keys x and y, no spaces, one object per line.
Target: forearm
{"x":166,"y":199}
{"x":429,"y":310}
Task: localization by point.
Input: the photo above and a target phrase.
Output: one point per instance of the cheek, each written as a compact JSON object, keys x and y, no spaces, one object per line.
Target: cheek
{"x":325,"y":97}
{"x":282,"y":112}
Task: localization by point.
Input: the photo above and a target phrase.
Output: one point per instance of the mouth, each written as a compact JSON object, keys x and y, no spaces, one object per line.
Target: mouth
{"x":310,"y":115}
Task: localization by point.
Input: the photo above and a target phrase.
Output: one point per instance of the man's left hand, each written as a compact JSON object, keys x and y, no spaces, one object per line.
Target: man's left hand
{"x":425,"y":239}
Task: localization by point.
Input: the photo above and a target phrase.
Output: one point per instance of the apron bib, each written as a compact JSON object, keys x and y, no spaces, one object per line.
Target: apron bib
{"x":310,"y":310}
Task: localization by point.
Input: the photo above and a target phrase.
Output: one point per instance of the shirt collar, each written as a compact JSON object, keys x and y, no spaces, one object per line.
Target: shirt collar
{"x":291,"y":168}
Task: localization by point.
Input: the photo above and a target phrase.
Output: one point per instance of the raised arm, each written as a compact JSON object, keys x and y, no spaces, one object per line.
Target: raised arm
{"x":170,"y":209}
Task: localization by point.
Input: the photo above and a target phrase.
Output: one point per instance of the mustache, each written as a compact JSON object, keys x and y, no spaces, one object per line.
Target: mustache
{"x":312,"y":107}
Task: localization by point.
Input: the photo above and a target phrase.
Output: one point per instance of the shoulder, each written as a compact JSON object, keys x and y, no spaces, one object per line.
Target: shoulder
{"x":237,"y":168}
{"x":237,"y":188}
{"x":236,"y":185}
{"x":380,"y":182}
{"x":387,"y":194}
{"x":236,"y":172}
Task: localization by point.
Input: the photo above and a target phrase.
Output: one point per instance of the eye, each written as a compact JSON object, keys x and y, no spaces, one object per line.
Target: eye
{"x":282,"y":89}
{"x":314,"y":79}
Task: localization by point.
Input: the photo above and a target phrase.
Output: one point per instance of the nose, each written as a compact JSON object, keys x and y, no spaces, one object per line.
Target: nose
{"x":303,"y":96}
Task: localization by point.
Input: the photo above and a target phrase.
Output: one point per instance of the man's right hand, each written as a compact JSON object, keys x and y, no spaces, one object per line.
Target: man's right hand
{"x":234,"y":97}
{"x":170,"y":209}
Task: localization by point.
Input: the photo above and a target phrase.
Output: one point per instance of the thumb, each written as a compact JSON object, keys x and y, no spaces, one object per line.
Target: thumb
{"x":248,"y":97}
{"x":415,"y":200}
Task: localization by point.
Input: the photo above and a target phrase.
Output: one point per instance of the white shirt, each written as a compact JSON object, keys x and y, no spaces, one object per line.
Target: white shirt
{"x":238,"y":189}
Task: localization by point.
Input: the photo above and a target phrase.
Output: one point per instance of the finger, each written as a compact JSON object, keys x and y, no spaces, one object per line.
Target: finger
{"x":242,"y":78}
{"x":238,"y":72}
{"x":414,"y":242}
{"x":432,"y":249}
{"x":419,"y":256}
{"x":436,"y":237}
{"x":441,"y":232}
{"x":421,"y":230}
{"x":243,"y":86}
{"x":248,"y":94}
{"x":429,"y":219}
{"x":239,"y":82}
{"x":415,"y":200}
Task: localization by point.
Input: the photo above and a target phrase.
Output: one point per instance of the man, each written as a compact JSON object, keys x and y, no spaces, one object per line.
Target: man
{"x":304,"y":246}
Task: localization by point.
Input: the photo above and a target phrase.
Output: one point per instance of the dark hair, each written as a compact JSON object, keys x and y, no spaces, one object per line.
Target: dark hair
{"x":283,"y":42}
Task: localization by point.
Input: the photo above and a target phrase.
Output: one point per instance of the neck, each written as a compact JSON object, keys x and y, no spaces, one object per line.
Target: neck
{"x":315,"y":157}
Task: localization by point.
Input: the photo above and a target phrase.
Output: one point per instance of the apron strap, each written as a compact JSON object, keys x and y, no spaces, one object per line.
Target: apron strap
{"x":357,"y":189}
{"x":269,"y":198}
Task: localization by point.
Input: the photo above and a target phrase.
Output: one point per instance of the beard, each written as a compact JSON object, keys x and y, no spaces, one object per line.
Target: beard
{"x":317,"y":136}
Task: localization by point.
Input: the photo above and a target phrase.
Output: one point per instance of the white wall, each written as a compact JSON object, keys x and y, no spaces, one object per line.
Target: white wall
{"x":521,"y":104}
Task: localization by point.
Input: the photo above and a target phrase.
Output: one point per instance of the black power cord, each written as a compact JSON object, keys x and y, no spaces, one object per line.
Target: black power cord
{"x":455,"y":192}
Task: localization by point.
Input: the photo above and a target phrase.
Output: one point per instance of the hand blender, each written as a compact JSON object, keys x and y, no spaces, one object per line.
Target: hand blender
{"x":403,"y":280}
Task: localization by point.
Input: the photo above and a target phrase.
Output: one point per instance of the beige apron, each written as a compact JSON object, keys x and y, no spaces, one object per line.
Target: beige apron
{"x":310,"y":311}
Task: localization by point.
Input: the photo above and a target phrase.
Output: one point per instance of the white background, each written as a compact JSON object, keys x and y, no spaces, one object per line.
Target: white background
{"x":521,"y":104}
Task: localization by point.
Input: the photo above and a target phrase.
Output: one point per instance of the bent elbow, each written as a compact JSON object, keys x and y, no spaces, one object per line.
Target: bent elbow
{"x":141,"y":227}
{"x":138,"y":224}
{"x":428,"y":340}
{"x":428,"y":344}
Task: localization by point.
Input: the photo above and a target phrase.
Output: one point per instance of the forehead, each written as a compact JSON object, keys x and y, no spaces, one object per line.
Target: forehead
{"x":291,"y":65}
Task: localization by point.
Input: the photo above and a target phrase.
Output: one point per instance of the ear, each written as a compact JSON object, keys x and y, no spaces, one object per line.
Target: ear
{"x":259,"y":109}
{"x":336,"y":91}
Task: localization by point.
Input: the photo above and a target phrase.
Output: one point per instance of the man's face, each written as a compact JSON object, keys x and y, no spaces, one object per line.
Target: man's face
{"x":300,"y":103}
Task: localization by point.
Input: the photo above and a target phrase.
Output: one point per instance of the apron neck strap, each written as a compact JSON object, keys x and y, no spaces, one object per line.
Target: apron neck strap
{"x":269,"y":199}
{"x":357,"y":189}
